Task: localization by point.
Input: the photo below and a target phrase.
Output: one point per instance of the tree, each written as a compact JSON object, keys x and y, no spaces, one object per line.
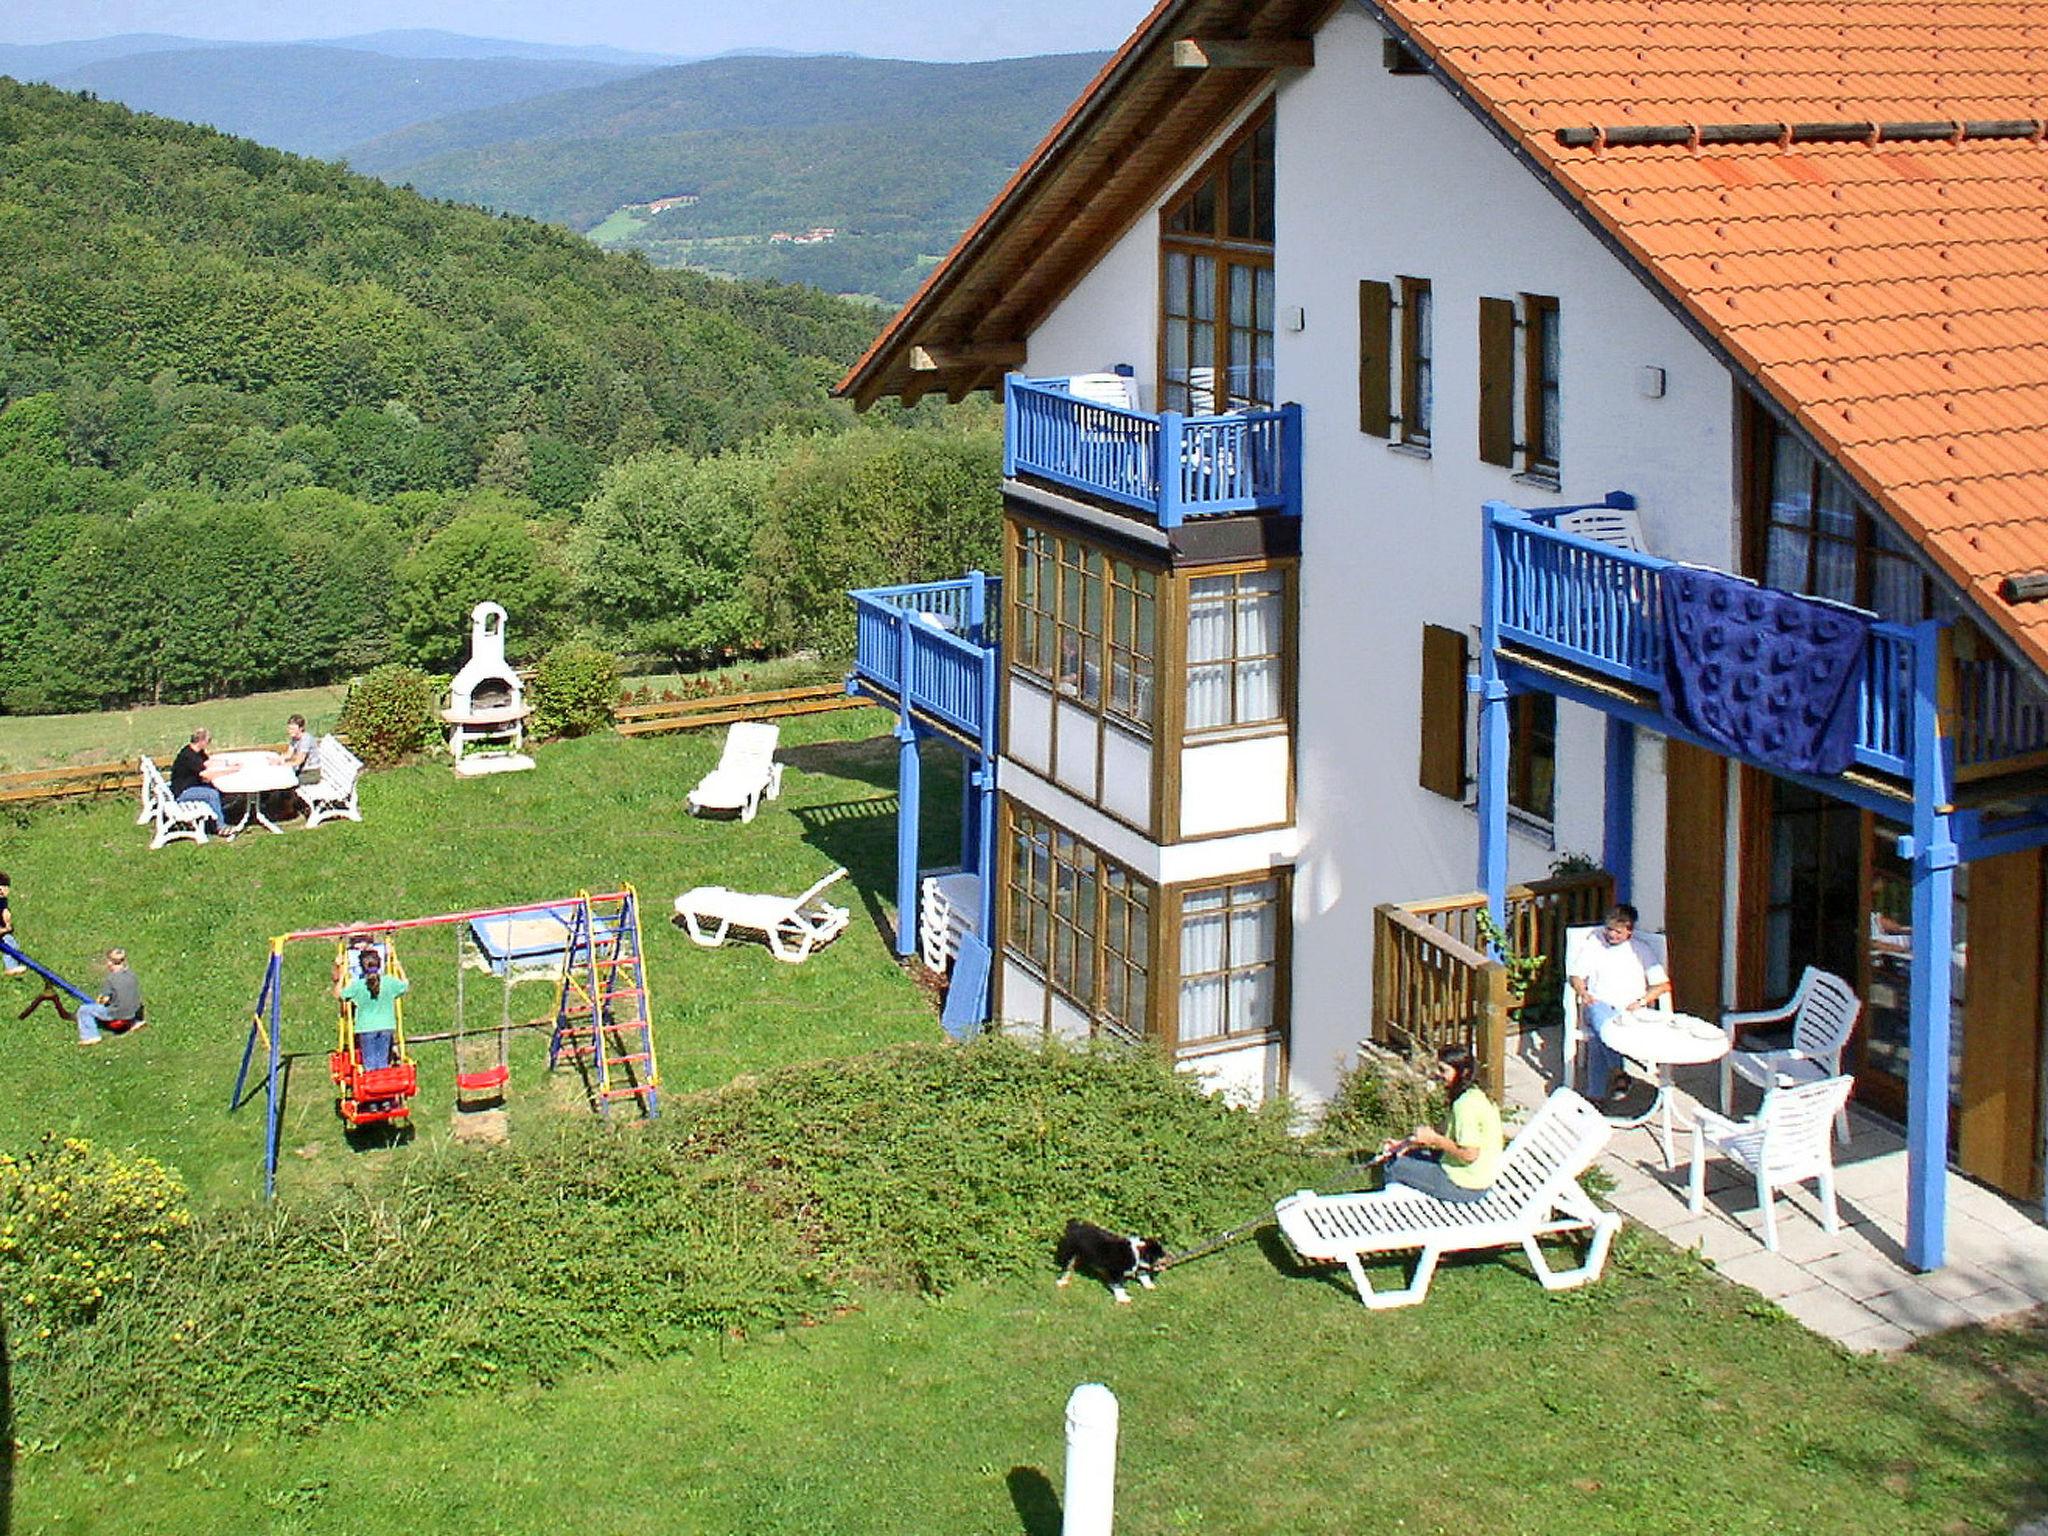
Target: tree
{"x":490,"y":555}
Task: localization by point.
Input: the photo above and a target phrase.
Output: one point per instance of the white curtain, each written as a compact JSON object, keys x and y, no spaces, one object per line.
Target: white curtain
{"x":1210,"y":645}
{"x":1203,"y":997}
{"x":1258,"y":635}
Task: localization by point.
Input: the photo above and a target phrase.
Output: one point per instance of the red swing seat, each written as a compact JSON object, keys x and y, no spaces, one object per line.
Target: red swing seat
{"x":372,"y":1095}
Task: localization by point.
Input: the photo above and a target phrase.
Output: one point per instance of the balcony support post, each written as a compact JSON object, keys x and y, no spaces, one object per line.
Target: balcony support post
{"x":1290,"y":459}
{"x":908,"y":812}
{"x":1929,"y":997}
{"x":1493,"y":732}
{"x":1171,"y":426}
{"x":1618,"y":833}
{"x":977,"y":607}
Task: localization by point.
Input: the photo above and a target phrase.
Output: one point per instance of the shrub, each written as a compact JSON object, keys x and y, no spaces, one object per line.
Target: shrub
{"x":390,"y":714}
{"x":1382,"y":1096}
{"x":573,"y":689}
{"x":75,"y":1223}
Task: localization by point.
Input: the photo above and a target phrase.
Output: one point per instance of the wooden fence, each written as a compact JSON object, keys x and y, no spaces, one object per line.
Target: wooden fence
{"x":90,"y":781}
{"x":726,"y":708}
{"x":1435,"y":984}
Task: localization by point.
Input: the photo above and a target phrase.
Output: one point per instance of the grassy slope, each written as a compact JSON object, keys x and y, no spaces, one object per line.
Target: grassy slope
{"x":1253,"y":1400}
{"x":595,"y":812}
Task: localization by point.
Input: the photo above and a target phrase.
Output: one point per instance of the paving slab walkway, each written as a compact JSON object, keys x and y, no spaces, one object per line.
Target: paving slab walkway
{"x":1853,"y":1285}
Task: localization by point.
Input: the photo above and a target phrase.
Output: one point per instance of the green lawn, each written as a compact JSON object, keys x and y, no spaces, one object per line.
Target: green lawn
{"x":52,"y":741}
{"x":1255,"y":1397}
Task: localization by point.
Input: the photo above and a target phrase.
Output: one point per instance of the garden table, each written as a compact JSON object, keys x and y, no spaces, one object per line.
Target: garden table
{"x":253,"y":774}
{"x":1652,"y":1042}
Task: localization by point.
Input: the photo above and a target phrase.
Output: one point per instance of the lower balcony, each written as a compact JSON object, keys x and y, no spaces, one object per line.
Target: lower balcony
{"x":1086,"y":435}
{"x":933,"y":649}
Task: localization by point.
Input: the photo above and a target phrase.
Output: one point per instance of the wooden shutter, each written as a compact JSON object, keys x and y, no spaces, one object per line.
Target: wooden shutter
{"x":1375,"y":358}
{"x":1695,"y":873}
{"x":1443,"y":711}
{"x":1497,"y":381}
{"x":1998,"y":1128}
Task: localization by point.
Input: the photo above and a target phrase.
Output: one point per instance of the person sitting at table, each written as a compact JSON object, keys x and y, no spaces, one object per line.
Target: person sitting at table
{"x":191,"y":779}
{"x":283,"y":804}
{"x":1458,"y":1164}
{"x":1615,"y":973}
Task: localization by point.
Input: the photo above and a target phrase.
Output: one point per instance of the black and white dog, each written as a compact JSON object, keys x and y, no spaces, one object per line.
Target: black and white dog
{"x":1109,"y":1256}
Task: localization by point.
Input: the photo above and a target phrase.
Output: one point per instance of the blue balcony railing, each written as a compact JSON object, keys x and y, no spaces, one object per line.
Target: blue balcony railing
{"x":1598,"y":607}
{"x":934,"y":646}
{"x":1169,"y":466}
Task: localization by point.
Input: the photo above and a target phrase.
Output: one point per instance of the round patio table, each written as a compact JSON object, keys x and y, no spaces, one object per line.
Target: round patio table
{"x":253,"y":774}
{"x":1651,"y":1043}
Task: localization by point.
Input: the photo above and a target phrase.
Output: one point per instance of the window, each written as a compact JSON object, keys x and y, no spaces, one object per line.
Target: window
{"x":1416,"y":366}
{"x":1821,"y":540}
{"x":1216,"y":284}
{"x":1229,"y":948}
{"x":1520,"y":354}
{"x":1083,"y":617}
{"x":1234,"y":650}
{"x":1082,"y":922}
{"x":1532,"y":755}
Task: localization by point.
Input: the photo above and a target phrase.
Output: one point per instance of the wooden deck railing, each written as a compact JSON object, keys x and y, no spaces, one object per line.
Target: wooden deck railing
{"x":1434,"y":984}
{"x":655,"y":717}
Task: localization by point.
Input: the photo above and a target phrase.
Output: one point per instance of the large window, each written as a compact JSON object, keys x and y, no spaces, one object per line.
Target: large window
{"x":1229,"y":960}
{"x":1086,"y":625}
{"x":1235,"y":645}
{"x":1081,"y":921}
{"x":1819,"y":538}
{"x":1216,"y":284}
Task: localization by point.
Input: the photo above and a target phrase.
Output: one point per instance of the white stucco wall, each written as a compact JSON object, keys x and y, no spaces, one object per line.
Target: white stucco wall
{"x":1381,"y":176}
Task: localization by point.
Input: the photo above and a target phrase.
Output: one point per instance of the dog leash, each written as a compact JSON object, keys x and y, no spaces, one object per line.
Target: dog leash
{"x":1224,"y":1239}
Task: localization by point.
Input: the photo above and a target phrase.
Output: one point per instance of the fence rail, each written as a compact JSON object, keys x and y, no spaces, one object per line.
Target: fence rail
{"x":90,"y":781}
{"x":657,"y":717}
{"x":1434,"y":984}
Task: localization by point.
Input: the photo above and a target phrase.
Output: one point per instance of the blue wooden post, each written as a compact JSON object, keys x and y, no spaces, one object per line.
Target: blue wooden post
{"x":1493,"y":731}
{"x":1934,"y":866}
{"x":1290,"y":459}
{"x":970,"y":816}
{"x":985,"y":865}
{"x":1618,"y":840}
{"x":908,"y":798}
{"x":1167,"y":468}
{"x":1011,"y":411}
{"x":977,"y":607}
{"x":273,"y":1105}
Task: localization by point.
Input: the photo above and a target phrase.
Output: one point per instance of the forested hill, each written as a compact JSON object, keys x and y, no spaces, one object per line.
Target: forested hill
{"x":268,"y":423}
{"x":132,"y":246}
{"x":893,"y":157}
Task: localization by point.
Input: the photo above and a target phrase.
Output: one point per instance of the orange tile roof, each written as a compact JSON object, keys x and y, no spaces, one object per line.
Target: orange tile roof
{"x":1891,"y":297}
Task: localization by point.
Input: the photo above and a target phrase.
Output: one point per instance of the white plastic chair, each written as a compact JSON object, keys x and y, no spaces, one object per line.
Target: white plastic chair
{"x":1536,"y":1194}
{"x":1119,"y":389}
{"x":333,"y":794}
{"x":1785,"y":1144}
{"x":747,"y":772}
{"x":172,"y":817}
{"x":1823,"y":1014}
{"x":792,"y":926}
{"x":1575,"y":940}
{"x":1618,"y":526}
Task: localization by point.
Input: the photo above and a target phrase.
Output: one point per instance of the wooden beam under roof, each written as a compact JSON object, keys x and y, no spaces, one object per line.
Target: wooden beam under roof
{"x":1244,"y":53}
{"x":937,"y":357}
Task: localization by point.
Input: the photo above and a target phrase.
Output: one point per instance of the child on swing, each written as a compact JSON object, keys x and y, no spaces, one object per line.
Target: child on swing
{"x":375,"y":999}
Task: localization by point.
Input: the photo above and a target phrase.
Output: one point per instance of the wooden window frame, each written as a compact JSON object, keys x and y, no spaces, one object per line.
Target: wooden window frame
{"x":1227,"y":251}
{"x":1235,"y":727}
{"x":1541,"y":418}
{"x":1117,"y":895}
{"x":1280,"y":1029}
{"x":1417,"y":354}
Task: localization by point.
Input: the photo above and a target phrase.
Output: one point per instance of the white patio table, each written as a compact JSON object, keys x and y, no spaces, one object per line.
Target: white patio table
{"x":1651,"y":1043}
{"x":253,"y":774}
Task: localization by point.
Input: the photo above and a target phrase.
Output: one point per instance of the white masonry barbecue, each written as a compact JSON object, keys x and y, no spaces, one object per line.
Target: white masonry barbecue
{"x":486,"y":711}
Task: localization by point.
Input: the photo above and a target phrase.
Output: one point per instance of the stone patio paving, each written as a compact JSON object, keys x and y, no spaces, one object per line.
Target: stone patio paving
{"x":1854,"y":1286}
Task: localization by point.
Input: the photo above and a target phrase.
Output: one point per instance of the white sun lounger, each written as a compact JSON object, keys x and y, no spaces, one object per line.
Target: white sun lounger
{"x":793,"y":926}
{"x":1536,"y":1194}
{"x":747,"y":772}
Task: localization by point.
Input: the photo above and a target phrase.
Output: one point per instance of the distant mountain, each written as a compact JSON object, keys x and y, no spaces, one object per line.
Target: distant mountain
{"x":426,"y":43}
{"x":315,"y":100}
{"x":851,"y":173}
{"x":42,"y":61}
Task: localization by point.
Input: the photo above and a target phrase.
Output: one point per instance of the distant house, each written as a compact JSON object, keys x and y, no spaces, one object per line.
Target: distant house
{"x":1289,"y":631}
{"x":814,"y":236}
{"x":663,"y":204}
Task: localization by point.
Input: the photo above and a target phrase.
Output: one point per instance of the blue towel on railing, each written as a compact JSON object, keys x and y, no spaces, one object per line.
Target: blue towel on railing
{"x":1769,"y":676}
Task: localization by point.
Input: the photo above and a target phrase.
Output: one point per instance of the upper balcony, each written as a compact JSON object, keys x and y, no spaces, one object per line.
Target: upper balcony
{"x":1166,"y":466}
{"x":1596,"y":607}
{"x":933,"y":648}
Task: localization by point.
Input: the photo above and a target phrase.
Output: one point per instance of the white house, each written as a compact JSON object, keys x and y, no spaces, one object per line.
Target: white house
{"x":1292,"y":294}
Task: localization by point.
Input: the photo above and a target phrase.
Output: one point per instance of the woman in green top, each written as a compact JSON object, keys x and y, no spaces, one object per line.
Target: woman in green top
{"x":374,"y":996}
{"x":1459,"y":1165}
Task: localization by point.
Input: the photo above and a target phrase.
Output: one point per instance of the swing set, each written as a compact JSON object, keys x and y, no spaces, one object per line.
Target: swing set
{"x":588,"y":948}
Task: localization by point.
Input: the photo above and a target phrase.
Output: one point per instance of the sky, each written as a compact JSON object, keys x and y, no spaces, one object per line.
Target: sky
{"x":915,"y":29}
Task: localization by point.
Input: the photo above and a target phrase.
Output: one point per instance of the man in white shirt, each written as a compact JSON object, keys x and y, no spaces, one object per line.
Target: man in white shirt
{"x":1613,"y":972}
